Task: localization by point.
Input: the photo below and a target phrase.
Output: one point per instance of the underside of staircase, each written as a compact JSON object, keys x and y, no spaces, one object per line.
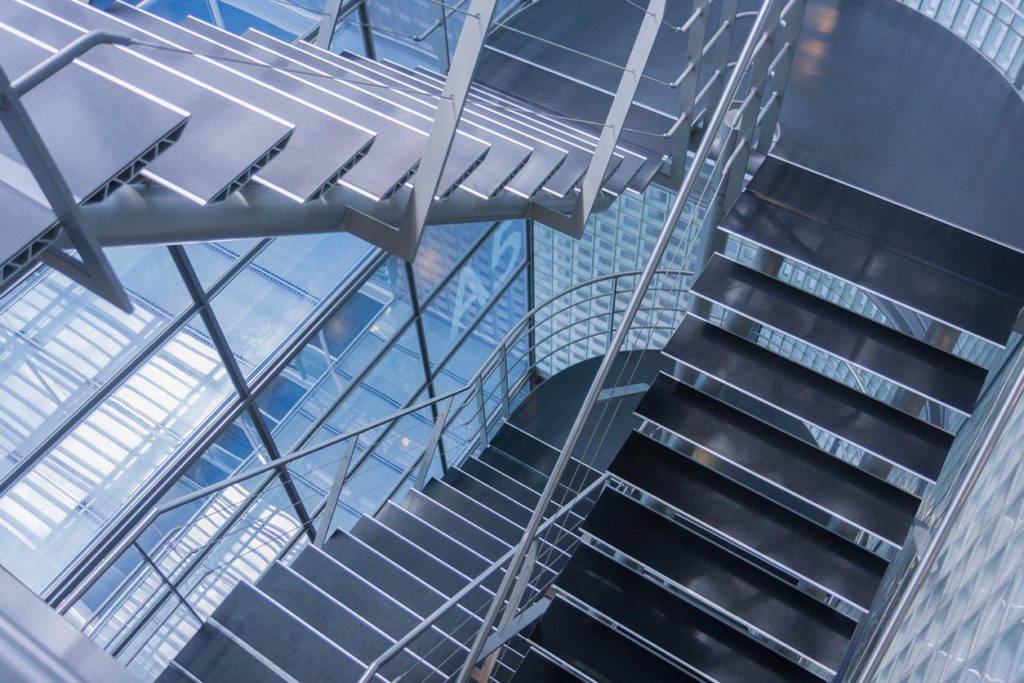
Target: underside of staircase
{"x":210,"y":135}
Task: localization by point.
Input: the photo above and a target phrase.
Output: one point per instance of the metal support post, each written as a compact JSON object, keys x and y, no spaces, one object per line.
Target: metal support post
{"x":91,"y":268}
{"x":227,"y":357}
{"x":331,"y":503}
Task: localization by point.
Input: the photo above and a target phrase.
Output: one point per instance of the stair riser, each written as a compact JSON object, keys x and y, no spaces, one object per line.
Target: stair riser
{"x":857,"y":299}
{"x":835,"y":368}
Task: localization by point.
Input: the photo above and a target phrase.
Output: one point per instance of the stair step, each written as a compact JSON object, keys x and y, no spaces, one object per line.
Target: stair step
{"x":532,"y":453}
{"x":878,"y":429}
{"x":297,"y":171}
{"x":551,"y":121}
{"x":498,"y":480}
{"x":400,"y":583}
{"x":366,"y":109}
{"x":414,"y":559}
{"x":787,"y":466}
{"x":757,"y":525}
{"x":599,"y":651}
{"x":537,"y":668}
{"x":507,"y":155}
{"x":212,"y":656}
{"x":314,"y":606}
{"x":115,"y":131}
{"x":525,"y":448}
{"x":460,"y":516}
{"x":284,"y":640}
{"x":466,"y":153}
{"x":363,"y":597}
{"x":550,"y":152}
{"x":917,"y":367}
{"x":949,"y":300}
{"x":442,"y":546}
{"x":172,"y":674}
{"x":232,"y":138}
{"x":487,"y":495}
{"x":555,"y":91}
{"x":684,"y":631}
{"x":847,"y":208}
{"x":721,"y":581}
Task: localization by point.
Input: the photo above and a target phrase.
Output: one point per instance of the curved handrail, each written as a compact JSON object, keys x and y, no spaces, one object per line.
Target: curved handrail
{"x":490,"y":365}
{"x":754,"y":42}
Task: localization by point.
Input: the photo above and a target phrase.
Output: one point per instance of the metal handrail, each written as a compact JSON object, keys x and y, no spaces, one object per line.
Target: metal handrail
{"x":540,"y":314}
{"x":689,"y":183}
{"x":428,"y":622}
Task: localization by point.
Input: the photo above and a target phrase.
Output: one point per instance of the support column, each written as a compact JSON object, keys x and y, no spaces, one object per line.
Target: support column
{"x":234,"y":372}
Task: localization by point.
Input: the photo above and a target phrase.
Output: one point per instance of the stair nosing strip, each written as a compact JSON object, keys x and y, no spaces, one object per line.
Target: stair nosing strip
{"x":503,"y":495}
{"x":863,"y":449}
{"x":863,"y":288}
{"x":709,"y":607}
{"x":819,"y":349}
{"x":732,"y":463}
{"x":251,"y":651}
{"x":745,"y":548}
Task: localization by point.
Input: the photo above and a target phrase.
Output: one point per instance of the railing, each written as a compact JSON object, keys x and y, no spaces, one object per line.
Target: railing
{"x":995,"y":28}
{"x":742,"y":122}
{"x":170,"y":571}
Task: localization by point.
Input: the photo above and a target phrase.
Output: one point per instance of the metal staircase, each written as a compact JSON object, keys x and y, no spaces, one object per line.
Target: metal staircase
{"x":217,"y":136}
{"x":330,"y":612}
{"x":763,"y":546}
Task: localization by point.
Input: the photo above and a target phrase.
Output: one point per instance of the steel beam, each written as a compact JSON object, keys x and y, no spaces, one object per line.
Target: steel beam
{"x":156,"y":215}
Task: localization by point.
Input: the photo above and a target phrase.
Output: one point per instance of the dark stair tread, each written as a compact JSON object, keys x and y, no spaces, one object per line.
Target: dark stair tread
{"x":488,"y":496}
{"x":964,"y":305}
{"x":439,"y":544}
{"x":800,"y":392}
{"x":401,"y":583}
{"x":536,"y":668}
{"x":475,"y":512}
{"x":172,"y":675}
{"x":336,"y":622}
{"x":500,"y":481}
{"x":214,"y":657}
{"x":780,"y":460}
{"x":760,"y":526}
{"x":597,"y":650}
{"x":460,"y":516}
{"x":921,"y":368}
{"x":414,"y":559}
{"x":720,"y":578}
{"x":279,"y":636}
{"x":848,"y":208}
{"x":525,"y":448}
{"x":673,"y":624}
{"x":362,"y":597}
